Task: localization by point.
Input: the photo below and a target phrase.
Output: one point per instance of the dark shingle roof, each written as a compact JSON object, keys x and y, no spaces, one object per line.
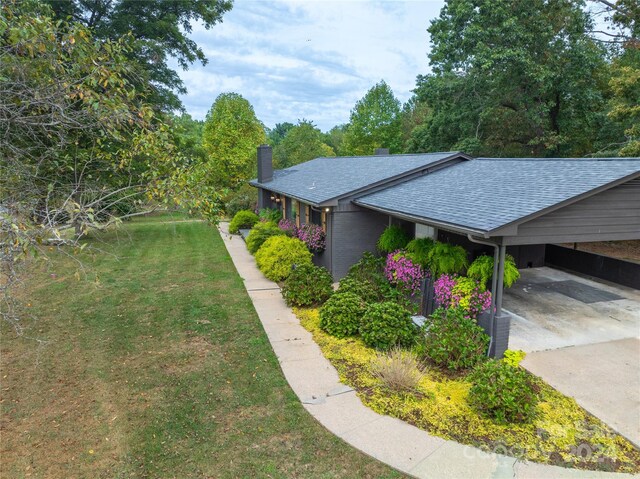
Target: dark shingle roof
{"x":324,"y":179}
{"x":486,"y":193}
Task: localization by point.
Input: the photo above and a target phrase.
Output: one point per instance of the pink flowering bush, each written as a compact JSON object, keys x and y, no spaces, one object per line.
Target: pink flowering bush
{"x":453,"y":291}
{"x":289,"y":227}
{"x":403,"y":273}
{"x":313,"y":236}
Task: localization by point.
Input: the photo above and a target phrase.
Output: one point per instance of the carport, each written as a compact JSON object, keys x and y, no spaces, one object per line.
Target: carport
{"x":520,"y":201}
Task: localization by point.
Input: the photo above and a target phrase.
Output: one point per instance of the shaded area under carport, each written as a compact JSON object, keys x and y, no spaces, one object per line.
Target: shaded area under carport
{"x":553,"y":309}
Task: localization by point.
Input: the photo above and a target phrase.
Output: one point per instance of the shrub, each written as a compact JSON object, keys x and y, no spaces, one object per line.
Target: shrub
{"x":393,"y":238}
{"x":454,"y":341}
{"x":462,"y":292}
{"x":288,"y":226}
{"x":502,"y":392}
{"x":369,"y":272}
{"x":244,"y":198}
{"x":278,"y":254}
{"x":404,"y":273}
{"x":482,"y":270}
{"x":513,"y":357}
{"x":387,"y":324}
{"x":260,"y":233}
{"x":341,"y":315}
{"x":418,"y":250}
{"x":363,"y":289}
{"x":398,"y":370}
{"x":445,"y":258}
{"x":272,"y":215}
{"x":313,"y":236}
{"x":243,"y":219}
{"x":307,"y":285}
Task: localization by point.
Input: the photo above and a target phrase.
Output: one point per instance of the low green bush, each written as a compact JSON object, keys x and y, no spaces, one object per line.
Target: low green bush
{"x":393,"y":238}
{"x":342,"y":314}
{"x":503,"y":392}
{"x":418,"y":250}
{"x":243,"y":219}
{"x":445,"y":258}
{"x":387,"y":324}
{"x":278,"y":254}
{"x":307,"y":285}
{"x":454,"y":341}
{"x":513,"y":357}
{"x":482,"y":270}
{"x":368,"y":272}
{"x":260,"y":233}
{"x":363,"y":289}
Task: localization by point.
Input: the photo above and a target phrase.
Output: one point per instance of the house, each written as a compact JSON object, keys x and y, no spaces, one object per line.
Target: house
{"x":498,"y":205}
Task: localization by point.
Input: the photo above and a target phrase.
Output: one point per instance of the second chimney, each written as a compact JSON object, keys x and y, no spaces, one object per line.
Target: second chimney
{"x":265,"y":164}
{"x":381,"y":151}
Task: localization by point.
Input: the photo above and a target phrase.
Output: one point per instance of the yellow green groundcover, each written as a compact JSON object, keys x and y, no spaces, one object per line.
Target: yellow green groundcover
{"x":562,"y":433}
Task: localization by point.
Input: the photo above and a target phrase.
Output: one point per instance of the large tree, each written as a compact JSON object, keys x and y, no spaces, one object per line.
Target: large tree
{"x":303,"y":142}
{"x":514,"y":78}
{"x":161,"y":29}
{"x":374,"y":123}
{"x":230,"y":136}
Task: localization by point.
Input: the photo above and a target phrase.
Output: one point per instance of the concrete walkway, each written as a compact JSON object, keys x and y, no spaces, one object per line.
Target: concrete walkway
{"x":336,"y":406}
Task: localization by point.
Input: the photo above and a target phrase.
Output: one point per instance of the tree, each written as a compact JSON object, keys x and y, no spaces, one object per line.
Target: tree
{"x":79,"y":148}
{"x":414,"y":113}
{"x":188,"y":137}
{"x":513,"y":78}
{"x":374,"y":123}
{"x":302,"y":143}
{"x":160,"y":28}
{"x":230,"y":136}
{"x":278,"y":133}
{"x":335,"y":139}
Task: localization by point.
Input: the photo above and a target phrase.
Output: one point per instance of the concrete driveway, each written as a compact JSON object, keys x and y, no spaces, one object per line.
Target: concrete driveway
{"x":583,"y":338}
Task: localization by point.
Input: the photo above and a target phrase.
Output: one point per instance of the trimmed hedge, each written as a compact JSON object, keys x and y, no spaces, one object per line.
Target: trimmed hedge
{"x":341,"y":314}
{"x":243,"y":219}
{"x":307,"y":285}
{"x":388,"y":324}
{"x":260,"y":233}
{"x":278,"y":254}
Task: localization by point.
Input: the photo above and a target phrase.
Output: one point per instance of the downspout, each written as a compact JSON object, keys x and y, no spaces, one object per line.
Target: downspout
{"x":494,"y":284}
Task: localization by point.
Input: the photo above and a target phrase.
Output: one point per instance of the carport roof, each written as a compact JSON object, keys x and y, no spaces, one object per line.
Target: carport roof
{"x":487,"y":194}
{"x":323,"y":179}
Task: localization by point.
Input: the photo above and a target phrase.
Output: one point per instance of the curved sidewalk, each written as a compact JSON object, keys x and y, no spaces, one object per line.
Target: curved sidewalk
{"x":336,"y":406}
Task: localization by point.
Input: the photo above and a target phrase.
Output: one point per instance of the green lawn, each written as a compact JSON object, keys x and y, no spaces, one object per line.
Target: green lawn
{"x":154,"y":364}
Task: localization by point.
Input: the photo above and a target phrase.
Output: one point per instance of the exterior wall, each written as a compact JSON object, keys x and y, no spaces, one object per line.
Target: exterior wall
{"x":264,"y":199}
{"x":352,"y":233}
{"x":611,"y":215}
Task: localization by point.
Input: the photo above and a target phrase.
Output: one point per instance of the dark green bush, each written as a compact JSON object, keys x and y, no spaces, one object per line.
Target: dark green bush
{"x":418,"y":250}
{"x":363,"y":289}
{"x":307,"y":285}
{"x":393,"y":238}
{"x":270,"y":214}
{"x":369,"y":272}
{"x":445,"y":258}
{"x":278,"y":254}
{"x":342,"y":314}
{"x":243,"y":219}
{"x":482,"y":270}
{"x":260,"y":233}
{"x":388,"y":324}
{"x":503,"y":392}
{"x":244,"y":198}
{"x":454,"y":341}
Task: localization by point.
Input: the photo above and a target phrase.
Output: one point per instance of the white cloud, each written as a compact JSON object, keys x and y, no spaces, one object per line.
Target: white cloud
{"x":310,"y":59}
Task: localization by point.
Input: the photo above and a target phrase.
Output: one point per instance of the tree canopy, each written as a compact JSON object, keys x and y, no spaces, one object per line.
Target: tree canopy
{"x":374,"y":123}
{"x":230,"y":136}
{"x":303,"y":142}
{"x":160,"y":29}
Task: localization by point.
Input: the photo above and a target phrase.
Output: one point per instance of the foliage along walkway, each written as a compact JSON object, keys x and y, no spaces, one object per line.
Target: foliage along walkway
{"x":338,"y":408}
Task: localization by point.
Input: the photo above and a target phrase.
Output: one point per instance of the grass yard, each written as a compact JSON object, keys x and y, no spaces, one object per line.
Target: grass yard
{"x":155,"y":365}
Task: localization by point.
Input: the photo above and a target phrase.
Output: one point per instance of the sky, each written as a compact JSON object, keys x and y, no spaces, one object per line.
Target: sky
{"x":311,"y":59}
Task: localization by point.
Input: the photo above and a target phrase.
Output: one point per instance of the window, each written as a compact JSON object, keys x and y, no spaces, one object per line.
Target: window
{"x":424,"y":231}
{"x":295,"y":211}
{"x":316,"y":217}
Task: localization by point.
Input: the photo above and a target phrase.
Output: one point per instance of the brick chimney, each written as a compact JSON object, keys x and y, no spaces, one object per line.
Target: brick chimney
{"x":265,"y":164}
{"x":381,"y":151}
